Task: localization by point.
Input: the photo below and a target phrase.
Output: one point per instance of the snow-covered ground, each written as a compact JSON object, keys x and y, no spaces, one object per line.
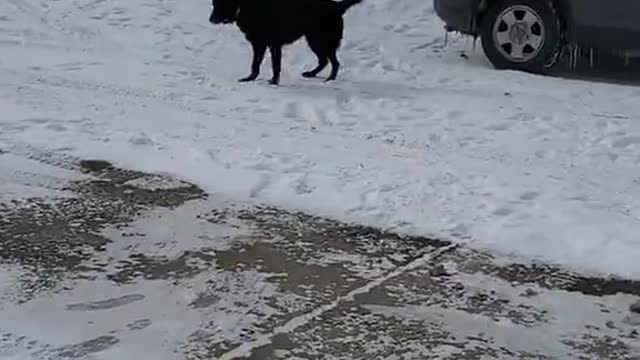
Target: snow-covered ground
{"x":412,"y":137}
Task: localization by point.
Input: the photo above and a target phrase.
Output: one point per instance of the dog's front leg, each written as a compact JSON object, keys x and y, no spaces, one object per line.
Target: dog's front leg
{"x":276,"y":60}
{"x":258,"y":56}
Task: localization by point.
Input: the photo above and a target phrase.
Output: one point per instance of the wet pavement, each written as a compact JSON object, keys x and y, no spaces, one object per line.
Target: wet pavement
{"x":119,"y":264}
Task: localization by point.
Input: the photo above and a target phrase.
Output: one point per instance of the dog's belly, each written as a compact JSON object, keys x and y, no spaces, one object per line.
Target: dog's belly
{"x":288,"y":38}
{"x":273,"y":38}
{"x":273,"y":31}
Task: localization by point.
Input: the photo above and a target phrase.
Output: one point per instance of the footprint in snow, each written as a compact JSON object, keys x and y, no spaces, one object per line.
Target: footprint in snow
{"x":139,"y":324}
{"x":141,"y":140}
{"x":503,"y":211}
{"x":529,"y":195}
{"x":106,"y":304}
{"x":56,"y":127}
{"x":626,"y":142}
{"x":498,"y":127}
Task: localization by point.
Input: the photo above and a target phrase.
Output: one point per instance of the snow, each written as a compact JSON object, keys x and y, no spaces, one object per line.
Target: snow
{"x":20,"y":178}
{"x":412,"y":137}
{"x":170,"y":320}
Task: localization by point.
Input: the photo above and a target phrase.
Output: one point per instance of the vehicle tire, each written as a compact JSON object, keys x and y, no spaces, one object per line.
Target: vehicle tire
{"x":521,"y":35}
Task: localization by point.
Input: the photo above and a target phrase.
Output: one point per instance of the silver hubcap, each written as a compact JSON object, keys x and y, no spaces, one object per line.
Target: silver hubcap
{"x":518,"y":33}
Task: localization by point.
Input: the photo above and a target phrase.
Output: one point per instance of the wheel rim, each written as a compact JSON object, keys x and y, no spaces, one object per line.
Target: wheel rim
{"x":518,"y":33}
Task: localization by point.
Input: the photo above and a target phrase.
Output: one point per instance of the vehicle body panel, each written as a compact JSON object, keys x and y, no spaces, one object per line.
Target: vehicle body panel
{"x":458,"y":15}
{"x":597,"y":23}
{"x":610,"y":24}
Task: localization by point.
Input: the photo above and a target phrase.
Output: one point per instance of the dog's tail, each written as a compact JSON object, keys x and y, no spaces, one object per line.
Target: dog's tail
{"x":347,"y":4}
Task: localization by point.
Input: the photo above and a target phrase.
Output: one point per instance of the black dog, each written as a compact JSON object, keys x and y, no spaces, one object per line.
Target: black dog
{"x":275,"y":23}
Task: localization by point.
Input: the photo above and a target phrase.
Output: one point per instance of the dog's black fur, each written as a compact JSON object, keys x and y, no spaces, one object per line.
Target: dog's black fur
{"x":275,"y":23}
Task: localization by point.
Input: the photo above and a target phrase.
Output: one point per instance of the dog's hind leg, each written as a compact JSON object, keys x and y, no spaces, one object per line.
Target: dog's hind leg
{"x":333,"y":39}
{"x":276,"y":63}
{"x":335,"y":67}
{"x":321,"y":53}
{"x":258,"y":55}
{"x":322,"y":63}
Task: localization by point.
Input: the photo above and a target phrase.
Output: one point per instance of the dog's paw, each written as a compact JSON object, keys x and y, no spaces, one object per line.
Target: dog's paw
{"x":308,"y":74}
{"x":330,"y":78}
{"x":248,"y":78}
{"x":274,"y":82}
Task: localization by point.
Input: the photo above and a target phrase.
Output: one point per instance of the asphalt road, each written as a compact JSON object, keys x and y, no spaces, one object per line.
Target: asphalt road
{"x":118,"y":264}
